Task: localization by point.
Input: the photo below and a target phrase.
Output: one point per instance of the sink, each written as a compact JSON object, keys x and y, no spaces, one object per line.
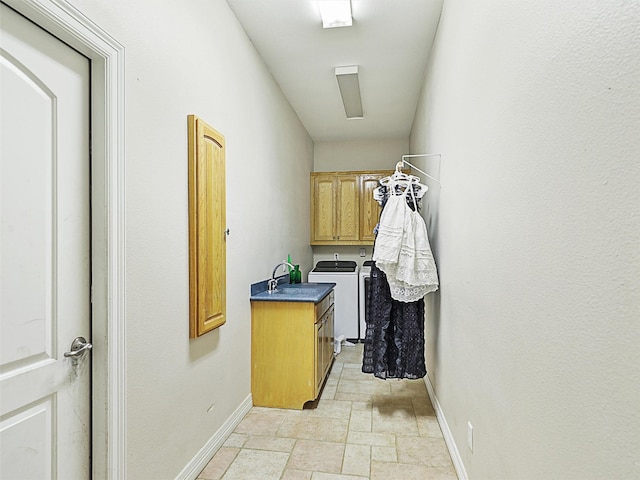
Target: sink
{"x":299,"y":292}
{"x":292,"y":290}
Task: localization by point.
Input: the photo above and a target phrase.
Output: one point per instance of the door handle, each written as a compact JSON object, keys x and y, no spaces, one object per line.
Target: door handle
{"x":78,"y":347}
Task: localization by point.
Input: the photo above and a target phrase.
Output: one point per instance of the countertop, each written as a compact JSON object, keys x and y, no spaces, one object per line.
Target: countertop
{"x":299,"y":292}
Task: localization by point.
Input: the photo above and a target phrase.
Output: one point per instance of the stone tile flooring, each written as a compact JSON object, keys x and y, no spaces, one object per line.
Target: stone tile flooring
{"x":362,"y":428}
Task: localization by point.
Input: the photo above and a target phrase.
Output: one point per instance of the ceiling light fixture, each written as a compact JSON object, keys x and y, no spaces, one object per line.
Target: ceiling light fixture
{"x":335,"y":13}
{"x":350,"y":90}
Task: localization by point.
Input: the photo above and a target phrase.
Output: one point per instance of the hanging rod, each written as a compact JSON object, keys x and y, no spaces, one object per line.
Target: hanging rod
{"x":423,"y":155}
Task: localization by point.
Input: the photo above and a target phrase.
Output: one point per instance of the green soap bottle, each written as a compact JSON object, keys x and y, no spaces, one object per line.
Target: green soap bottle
{"x":297,"y":274}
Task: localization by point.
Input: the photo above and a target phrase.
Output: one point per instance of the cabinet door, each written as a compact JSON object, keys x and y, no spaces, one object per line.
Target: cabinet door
{"x":369,"y":208}
{"x":284,"y":350}
{"x":207,"y":224}
{"x":348,"y":200}
{"x":328,"y":331}
{"x":319,"y":354}
{"x":323,"y":209}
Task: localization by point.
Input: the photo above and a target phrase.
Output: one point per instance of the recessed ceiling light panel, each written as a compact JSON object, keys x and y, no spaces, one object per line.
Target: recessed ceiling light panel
{"x":335,"y":13}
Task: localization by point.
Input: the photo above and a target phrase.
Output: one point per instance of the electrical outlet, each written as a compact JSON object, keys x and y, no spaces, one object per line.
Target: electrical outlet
{"x":363,"y":252}
{"x":470,"y":436}
{"x":335,"y":256}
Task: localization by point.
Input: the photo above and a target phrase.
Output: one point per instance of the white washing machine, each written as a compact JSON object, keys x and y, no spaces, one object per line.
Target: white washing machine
{"x":344,"y":274}
{"x":363,"y":296}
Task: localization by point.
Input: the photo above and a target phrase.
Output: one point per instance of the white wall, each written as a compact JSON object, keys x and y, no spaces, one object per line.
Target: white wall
{"x":534,"y":336}
{"x":184,"y":58}
{"x":373,"y":154}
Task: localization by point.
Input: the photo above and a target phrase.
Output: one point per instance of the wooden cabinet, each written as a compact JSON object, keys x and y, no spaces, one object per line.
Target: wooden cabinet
{"x":369,"y":207}
{"x":343,"y":211}
{"x":335,"y":208}
{"x":291,"y":351}
{"x":324,"y":346}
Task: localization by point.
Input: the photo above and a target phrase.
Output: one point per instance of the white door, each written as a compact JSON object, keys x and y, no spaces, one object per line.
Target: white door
{"x":45,"y":420}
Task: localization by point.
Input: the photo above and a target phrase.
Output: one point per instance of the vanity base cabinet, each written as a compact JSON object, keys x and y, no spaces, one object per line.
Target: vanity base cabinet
{"x":291,"y":351}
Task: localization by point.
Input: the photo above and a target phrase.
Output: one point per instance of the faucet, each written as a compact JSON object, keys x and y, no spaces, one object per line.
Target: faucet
{"x":272,"y":285}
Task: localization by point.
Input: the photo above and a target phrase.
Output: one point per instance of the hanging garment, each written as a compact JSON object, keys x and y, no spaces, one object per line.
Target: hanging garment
{"x":402,"y":250}
{"x":381,"y":194}
{"x":394,"y":340}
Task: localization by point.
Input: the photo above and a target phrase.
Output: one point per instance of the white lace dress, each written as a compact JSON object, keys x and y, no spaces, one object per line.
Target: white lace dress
{"x":402,"y":251}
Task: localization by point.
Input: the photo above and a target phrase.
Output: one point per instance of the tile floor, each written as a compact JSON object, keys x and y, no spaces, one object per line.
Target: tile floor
{"x":361,"y":428}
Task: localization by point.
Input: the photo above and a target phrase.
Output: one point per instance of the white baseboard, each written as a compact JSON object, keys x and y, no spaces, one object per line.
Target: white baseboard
{"x":448,"y":437}
{"x":206,"y":453}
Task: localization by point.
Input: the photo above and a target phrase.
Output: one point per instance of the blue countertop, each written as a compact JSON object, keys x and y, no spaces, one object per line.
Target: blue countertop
{"x":299,"y":292}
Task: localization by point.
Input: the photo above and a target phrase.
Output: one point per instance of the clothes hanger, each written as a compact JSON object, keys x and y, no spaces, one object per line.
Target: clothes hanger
{"x":402,"y":180}
{"x":399,"y":178}
{"x":397,"y":175}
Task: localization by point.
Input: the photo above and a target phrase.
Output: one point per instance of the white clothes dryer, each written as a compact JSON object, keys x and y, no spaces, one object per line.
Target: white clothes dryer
{"x":363,"y":297}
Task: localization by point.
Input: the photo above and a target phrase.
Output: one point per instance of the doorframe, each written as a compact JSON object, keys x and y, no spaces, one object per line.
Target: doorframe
{"x":109,"y":416}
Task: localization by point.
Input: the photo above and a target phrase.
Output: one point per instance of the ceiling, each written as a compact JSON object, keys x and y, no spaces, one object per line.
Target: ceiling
{"x":389,"y":41}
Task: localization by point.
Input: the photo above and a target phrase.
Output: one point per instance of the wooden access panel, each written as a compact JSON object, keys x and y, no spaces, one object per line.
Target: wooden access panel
{"x":207,"y":226}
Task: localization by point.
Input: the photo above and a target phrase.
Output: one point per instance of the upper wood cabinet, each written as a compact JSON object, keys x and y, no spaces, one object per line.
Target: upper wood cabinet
{"x":348,"y":208}
{"x":335,"y":214}
{"x":343,"y":211}
{"x":369,"y":208}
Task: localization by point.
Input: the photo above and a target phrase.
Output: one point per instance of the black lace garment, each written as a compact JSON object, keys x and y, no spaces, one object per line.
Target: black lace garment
{"x":394,"y":341}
